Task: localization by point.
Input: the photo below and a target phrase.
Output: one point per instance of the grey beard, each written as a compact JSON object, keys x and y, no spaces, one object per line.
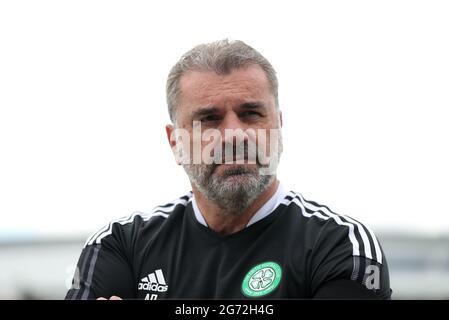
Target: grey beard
{"x":230,"y":192}
{"x":232,"y":196}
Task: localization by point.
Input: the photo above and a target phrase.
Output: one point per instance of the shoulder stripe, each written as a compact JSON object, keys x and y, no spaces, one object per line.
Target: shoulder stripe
{"x":318,"y":213}
{"x":367,"y":239}
{"x":297,"y":201}
{"x":130,"y":220}
{"x":105,"y":228}
{"x":353,"y":227}
{"x":159,"y":211}
{"x":373,"y":238}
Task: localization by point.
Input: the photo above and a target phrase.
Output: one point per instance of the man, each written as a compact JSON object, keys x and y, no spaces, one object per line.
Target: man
{"x":238,"y":234}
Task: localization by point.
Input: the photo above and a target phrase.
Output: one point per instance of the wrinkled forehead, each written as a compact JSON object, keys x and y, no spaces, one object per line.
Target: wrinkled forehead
{"x":201,"y":88}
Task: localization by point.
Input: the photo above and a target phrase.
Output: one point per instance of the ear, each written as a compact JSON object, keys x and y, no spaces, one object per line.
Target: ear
{"x":171,"y":137}
{"x":280,"y":118}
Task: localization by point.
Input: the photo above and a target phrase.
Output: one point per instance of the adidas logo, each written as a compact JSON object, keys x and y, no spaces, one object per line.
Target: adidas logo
{"x":155,"y":281}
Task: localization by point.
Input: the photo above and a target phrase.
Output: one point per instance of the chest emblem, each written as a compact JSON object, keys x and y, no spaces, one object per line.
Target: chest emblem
{"x":262,"y":279}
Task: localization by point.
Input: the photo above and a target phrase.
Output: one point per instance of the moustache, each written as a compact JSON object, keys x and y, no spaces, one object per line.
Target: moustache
{"x":230,"y":153}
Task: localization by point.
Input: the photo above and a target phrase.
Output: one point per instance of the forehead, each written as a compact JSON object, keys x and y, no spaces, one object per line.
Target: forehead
{"x":199,"y":88}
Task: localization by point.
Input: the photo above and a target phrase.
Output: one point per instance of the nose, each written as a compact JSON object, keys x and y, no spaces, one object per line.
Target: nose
{"x":233,"y":128}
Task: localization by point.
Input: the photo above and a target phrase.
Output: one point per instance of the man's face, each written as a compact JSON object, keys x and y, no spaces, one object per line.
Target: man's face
{"x":240,"y":102}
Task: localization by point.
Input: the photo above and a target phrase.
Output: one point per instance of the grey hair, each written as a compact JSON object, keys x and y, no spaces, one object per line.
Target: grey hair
{"x":222,"y":57}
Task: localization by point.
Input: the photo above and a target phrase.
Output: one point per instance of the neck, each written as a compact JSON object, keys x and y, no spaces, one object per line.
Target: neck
{"x":224,"y":222}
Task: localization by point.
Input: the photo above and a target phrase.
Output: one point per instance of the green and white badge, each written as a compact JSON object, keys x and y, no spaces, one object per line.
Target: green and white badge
{"x":262,"y":279}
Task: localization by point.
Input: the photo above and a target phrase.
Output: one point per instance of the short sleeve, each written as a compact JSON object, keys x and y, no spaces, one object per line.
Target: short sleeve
{"x":103,"y":270}
{"x":349,"y":251}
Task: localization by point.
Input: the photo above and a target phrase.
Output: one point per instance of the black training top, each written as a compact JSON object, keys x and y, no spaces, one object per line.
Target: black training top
{"x":297,"y":249}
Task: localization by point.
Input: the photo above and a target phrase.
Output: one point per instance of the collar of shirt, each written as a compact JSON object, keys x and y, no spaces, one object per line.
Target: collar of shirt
{"x":263,"y":212}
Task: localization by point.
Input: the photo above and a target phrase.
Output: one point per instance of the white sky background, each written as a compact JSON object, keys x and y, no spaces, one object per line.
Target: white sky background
{"x":364,"y":89}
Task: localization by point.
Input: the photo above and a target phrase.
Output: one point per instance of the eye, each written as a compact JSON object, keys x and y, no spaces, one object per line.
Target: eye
{"x":251,"y":114}
{"x":209,"y":118}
